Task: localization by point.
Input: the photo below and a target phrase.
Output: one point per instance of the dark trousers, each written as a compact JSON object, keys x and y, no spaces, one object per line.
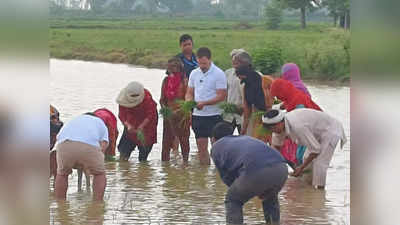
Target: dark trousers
{"x":126,"y":146}
{"x":266,"y":182}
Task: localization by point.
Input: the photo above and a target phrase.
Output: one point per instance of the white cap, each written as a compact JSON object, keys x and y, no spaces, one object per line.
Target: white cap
{"x":273,"y":116}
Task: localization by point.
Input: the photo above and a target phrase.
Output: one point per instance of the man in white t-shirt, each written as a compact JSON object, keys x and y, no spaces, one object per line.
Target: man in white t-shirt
{"x":82,"y":142}
{"x":208,"y":87}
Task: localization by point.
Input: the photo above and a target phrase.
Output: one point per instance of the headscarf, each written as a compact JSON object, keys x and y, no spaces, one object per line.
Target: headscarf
{"x":291,"y":96}
{"x":111,"y":122}
{"x":291,"y":73}
{"x":253,"y":87}
{"x":171,"y":86}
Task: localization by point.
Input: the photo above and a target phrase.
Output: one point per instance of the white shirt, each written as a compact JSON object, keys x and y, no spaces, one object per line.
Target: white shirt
{"x":320,"y":133}
{"x":205,"y":88}
{"x":235,"y":95}
{"x":313,"y":128}
{"x":84,"y":128}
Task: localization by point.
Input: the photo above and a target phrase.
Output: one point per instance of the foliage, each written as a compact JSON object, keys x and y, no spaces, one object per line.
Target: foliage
{"x":273,"y":14}
{"x":151,"y":42}
{"x":337,"y":7}
{"x":269,"y":59}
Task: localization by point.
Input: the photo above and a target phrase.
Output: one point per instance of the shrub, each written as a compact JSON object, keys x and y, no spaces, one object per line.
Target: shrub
{"x":268,"y":60}
{"x":329,"y":58}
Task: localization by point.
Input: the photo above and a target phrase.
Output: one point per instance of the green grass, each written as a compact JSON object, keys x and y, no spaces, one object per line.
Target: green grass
{"x":318,"y":50}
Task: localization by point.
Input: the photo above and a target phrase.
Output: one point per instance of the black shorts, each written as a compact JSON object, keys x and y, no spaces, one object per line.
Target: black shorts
{"x":203,"y":125}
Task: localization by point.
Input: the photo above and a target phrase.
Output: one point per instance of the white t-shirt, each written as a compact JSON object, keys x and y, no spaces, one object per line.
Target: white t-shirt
{"x":205,"y":88}
{"x":86,"y":129}
{"x":235,"y":95}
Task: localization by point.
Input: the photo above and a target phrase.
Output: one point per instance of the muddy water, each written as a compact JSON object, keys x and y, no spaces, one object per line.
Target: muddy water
{"x":172,"y":193}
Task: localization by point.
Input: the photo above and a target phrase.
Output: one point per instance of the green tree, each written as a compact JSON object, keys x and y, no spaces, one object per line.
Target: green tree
{"x":178,"y":6}
{"x":339,"y":10}
{"x":303,"y":5}
{"x":243,"y":8}
{"x":97,"y":5}
{"x":273,"y":14}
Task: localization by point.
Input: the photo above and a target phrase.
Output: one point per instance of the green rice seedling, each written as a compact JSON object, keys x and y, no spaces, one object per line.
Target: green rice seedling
{"x":186,"y":107}
{"x":262,"y":131}
{"x":257,"y":114}
{"x":140,"y":136}
{"x":166,"y":112}
{"x":229,"y":108}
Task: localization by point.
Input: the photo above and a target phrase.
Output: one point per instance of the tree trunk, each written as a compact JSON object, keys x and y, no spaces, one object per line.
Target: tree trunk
{"x":341,"y":21}
{"x":347,"y":20}
{"x":335,"y":19}
{"x":303,"y":17}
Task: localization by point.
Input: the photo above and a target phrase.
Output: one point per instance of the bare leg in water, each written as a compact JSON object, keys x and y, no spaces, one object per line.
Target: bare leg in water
{"x":204,"y":156}
{"x":61,"y":186}
{"x":99,"y":186}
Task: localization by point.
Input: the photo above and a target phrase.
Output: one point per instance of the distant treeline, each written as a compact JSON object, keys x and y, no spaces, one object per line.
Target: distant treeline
{"x":218,"y":9}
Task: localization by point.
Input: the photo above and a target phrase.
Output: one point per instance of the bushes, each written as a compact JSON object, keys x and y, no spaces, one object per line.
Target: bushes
{"x":268,"y":60}
{"x":325,"y":59}
{"x":329,"y":58}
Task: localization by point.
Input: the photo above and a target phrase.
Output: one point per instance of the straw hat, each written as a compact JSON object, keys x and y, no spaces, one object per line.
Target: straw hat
{"x":132,"y":95}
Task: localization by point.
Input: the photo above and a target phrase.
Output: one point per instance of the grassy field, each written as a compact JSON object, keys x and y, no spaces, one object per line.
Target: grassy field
{"x":320,"y":50}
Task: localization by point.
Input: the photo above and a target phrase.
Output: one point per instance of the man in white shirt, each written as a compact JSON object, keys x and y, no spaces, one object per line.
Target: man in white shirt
{"x":208,"y":87}
{"x":82,"y":142}
{"x":314,"y":129}
{"x":235,"y":89}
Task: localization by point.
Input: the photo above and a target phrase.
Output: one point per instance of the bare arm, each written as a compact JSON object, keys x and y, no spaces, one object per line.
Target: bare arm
{"x":162,"y":97}
{"x":143,"y":124}
{"x":246,"y":116}
{"x":189,"y":94}
{"x":103,"y":146}
{"x":221,"y":96}
{"x":308,"y":160}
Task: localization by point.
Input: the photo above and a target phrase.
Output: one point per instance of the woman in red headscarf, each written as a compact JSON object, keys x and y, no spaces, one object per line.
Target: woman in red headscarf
{"x":173,"y":88}
{"x":292,"y":98}
{"x":111,"y":122}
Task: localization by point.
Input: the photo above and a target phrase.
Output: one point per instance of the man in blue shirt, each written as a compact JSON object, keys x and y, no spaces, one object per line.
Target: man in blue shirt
{"x":189,"y":62}
{"x":187,"y":56}
{"x":250,"y":168}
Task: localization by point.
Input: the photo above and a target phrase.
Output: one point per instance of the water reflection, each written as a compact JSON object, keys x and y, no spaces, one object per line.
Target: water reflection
{"x":174,"y":192}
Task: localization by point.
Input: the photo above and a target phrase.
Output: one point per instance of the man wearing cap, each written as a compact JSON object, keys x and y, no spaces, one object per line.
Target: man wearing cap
{"x":207,"y":86}
{"x":314,"y":129}
{"x":250,"y":168}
